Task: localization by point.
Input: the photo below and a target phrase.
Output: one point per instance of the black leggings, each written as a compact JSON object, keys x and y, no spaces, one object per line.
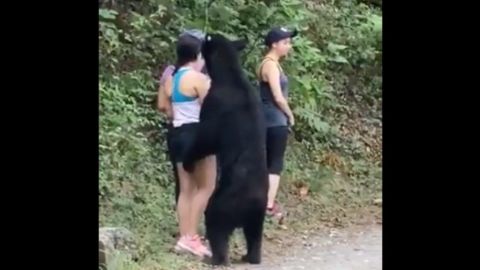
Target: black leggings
{"x":276,"y":145}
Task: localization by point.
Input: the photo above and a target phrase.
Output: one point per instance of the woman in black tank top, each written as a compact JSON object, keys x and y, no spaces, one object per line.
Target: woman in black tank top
{"x":273,"y":84}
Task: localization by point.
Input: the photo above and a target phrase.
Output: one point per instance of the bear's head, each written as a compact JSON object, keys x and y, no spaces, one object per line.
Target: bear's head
{"x":222,"y":55}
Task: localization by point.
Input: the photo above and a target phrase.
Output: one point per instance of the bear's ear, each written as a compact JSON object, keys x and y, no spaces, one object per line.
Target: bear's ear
{"x":208,"y":37}
{"x":240,"y":44}
{"x":205,"y":42}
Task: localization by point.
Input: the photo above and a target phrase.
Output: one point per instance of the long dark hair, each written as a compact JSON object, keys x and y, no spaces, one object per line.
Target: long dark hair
{"x":188,"y":48}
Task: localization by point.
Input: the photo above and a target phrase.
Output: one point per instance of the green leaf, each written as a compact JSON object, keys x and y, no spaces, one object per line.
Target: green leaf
{"x":335,"y":47}
{"x":339,"y":59}
{"x":377,"y":22}
{"x":107,"y":14}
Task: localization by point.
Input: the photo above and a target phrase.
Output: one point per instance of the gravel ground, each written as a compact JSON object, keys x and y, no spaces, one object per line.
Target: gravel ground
{"x":358,"y":248}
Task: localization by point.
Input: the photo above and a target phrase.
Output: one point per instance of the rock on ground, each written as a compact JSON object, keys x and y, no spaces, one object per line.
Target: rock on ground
{"x":113,"y":239}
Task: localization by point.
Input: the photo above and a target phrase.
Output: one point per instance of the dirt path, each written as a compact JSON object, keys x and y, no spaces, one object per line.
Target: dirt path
{"x":358,"y":248}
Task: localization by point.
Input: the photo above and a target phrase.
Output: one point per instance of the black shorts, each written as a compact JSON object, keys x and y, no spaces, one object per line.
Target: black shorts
{"x":276,"y":145}
{"x":180,"y":140}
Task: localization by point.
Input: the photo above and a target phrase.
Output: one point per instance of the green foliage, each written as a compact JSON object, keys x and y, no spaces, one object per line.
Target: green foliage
{"x":335,"y":84}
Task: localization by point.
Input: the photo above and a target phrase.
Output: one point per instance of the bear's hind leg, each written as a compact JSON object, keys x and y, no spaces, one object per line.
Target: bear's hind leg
{"x":253,"y":231}
{"x":218,"y":239}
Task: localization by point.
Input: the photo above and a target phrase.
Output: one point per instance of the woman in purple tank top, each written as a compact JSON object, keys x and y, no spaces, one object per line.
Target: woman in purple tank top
{"x":180,"y":96}
{"x":278,"y":116}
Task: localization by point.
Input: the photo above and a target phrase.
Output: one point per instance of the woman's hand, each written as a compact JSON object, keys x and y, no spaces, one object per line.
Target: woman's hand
{"x":291,"y":120}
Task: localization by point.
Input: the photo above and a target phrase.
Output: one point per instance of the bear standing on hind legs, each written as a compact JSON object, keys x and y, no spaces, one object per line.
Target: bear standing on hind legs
{"x":232,"y":127}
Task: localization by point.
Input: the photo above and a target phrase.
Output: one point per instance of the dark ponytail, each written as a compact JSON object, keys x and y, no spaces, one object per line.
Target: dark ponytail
{"x":179,"y":64}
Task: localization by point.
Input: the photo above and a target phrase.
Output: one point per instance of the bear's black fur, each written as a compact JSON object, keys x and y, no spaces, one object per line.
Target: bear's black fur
{"x":232,"y":127}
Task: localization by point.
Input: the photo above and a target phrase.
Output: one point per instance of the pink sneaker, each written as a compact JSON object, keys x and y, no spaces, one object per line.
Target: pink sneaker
{"x":192,"y":245}
{"x":204,"y":249}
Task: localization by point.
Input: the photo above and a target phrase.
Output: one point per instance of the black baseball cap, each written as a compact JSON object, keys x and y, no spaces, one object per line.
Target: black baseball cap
{"x":279,"y":33}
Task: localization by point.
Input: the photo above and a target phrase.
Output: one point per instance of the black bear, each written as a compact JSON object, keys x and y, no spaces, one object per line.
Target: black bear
{"x":232,"y":127}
